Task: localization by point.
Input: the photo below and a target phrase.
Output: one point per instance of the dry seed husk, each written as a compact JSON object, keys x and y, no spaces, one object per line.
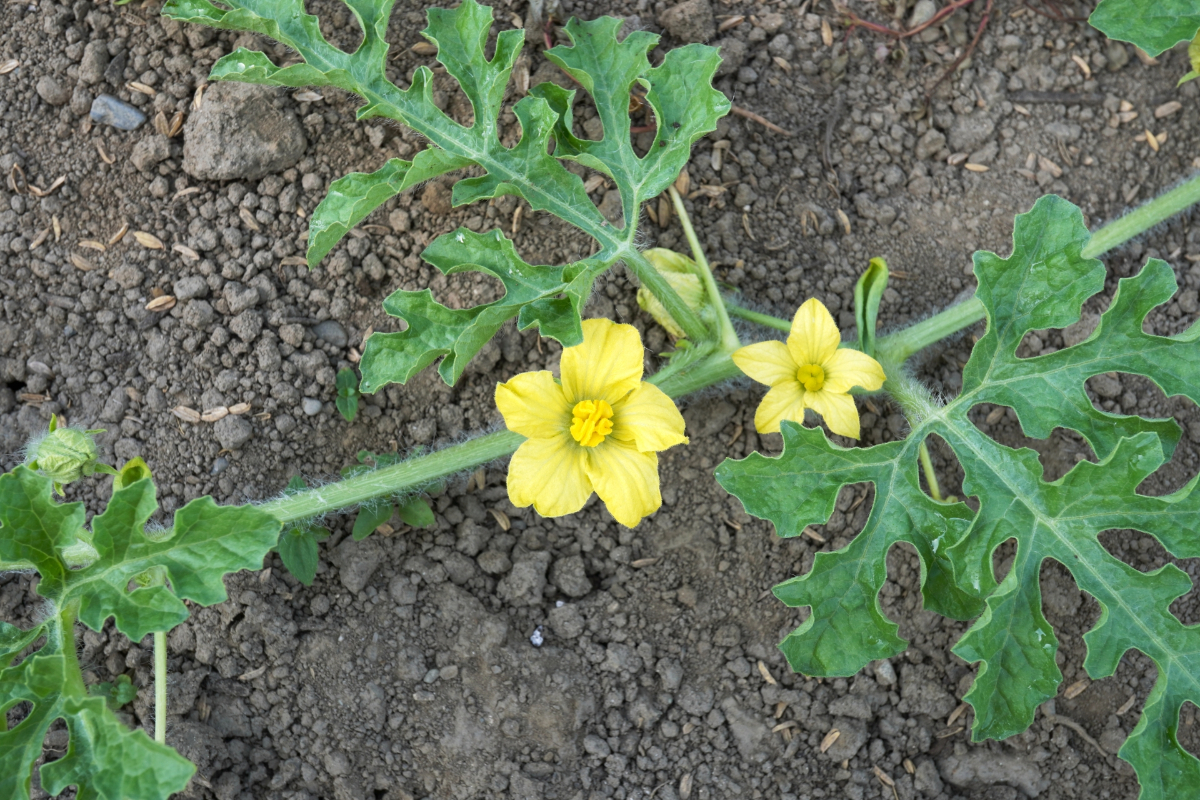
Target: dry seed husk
{"x":160,"y":122}
{"x":425,"y":49}
{"x":293,"y":261}
{"x":186,"y":252}
{"x":501,"y":518}
{"x":829,"y":739}
{"x":8,"y":66}
{"x":239,"y":408}
{"x":54,"y":223}
{"x":141,"y":88}
{"x":92,"y":244}
{"x":39,"y":239}
{"x":176,"y":125}
{"x":82,"y":263}
{"x":148,"y":240}
{"x":214,"y":414}
{"x":119,"y":235}
{"x":248,"y":218}
{"x":104,"y":156}
{"x":164,"y":303}
{"x":186,"y":414}
{"x":307,"y":96}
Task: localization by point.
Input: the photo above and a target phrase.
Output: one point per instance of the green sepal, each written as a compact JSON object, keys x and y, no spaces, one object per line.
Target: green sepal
{"x":1043,"y":284}
{"x":868,"y":292}
{"x":115,"y":693}
{"x":1153,"y":25}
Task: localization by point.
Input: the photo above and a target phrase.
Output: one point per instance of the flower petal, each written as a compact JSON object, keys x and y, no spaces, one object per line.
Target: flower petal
{"x":838,"y":411}
{"x":607,"y":366}
{"x":767,"y":362}
{"x":784,"y":401}
{"x":626,"y":480}
{"x":814,"y":337}
{"x":649,"y":419}
{"x":550,"y":475}
{"x":533,"y":405}
{"x":848,"y":368}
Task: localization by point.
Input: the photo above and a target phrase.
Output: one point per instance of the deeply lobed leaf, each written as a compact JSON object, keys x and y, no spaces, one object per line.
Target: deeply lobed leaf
{"x":1043,"y":284}
{"x":104,"y":759}
{"x":679,"y":92}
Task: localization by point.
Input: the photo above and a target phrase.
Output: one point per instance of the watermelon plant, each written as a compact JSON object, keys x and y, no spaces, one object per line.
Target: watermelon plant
{"x":598,"y":426}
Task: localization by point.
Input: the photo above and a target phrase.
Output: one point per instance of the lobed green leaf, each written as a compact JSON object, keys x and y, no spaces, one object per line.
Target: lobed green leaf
{"x":1043,"y":284}
{"x":105,"y":760}
{"x":679,"y":93}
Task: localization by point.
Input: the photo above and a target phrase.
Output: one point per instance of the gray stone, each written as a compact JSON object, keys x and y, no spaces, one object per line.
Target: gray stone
{"x":569,"y":576}
{"x":750,"y":733}
{"x":94,"y":62}
{"x":733,"y":55}
{"x":930,"y":144}
{"x":311,"y":406}
{"x":922,"y":693}
{"x":239,"y":134}
{"x":927,"y":780}
{"x":493,"y":562}
{"x":982,"y":767}
{"x":332,"y":332}
{"x":852,"y":705}
{"x":232,"y":432}
{"x":108,"y":110}
{"x":198,"y":314}
{"x":969,"y":131}
{"x":690,"y":21}
{"x":150,"y":152}
{"x":53,"y":92}
{"x":356,"y":562}
{"x":696,"y":700}
{"x":852,"y":735}
{"x":923,"y":11}
{"x":191,"y":287}
{"x":1118,"y":55}
{"x":566,"y":622}
{"x":523,"y":586}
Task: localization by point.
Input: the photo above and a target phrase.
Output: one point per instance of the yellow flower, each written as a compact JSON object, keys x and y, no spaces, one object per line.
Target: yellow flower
{"x":810,"y":371}
{"x":598,"y":430}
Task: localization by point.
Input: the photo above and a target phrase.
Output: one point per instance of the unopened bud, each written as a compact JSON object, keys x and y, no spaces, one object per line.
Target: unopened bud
{"x":680,"y":273}
{"x":66,"y":454}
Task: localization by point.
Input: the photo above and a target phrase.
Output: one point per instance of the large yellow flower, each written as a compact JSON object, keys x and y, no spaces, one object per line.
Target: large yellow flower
{"x":810,"y":371}
{"x":598,"y":430}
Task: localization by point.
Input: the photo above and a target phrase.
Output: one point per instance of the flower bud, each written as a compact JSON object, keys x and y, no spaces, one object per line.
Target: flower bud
{"x":66,"y":454}
{"x":680,"y":273}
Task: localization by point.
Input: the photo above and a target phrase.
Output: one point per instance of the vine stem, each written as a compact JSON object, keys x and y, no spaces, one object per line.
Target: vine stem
{"x":935,"y":491}
{"x":728,"y":338}
{"x":160,"y":687}
{"x":411,"y":476}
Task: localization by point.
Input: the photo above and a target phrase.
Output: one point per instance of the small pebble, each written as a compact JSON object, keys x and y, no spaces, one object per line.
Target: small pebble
{"x":219,"y":466}
{"x":108,"y":110}
{"x":312,"y":406}
{"x":537,"y":639}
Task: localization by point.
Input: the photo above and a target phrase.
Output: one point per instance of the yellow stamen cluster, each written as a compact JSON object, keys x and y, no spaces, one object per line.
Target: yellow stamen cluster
{"x":591,"y":421}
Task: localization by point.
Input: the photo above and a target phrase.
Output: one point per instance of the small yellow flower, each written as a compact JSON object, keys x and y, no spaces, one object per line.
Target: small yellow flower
{"x":598,"y":430}
{"x":810,"y":371}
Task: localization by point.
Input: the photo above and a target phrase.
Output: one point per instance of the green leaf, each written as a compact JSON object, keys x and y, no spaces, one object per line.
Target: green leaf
{"x":371,"y":517}
{"x":1153,"y":25}
{"x":679,"y":93}
{"x":299,"y":552}
{"x":104,"y":759}
{"x":347,"y":394}
{"x":1043,"y":284}
{"x":549,"y":297}
{"x":415,"y":512}
{"x":867,"y":294}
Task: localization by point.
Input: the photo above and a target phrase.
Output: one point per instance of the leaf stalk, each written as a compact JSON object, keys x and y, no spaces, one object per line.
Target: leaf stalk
{"x":160,"y":687}
{"x":727,"y":337}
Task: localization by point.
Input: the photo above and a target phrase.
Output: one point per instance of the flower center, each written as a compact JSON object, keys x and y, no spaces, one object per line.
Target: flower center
{"x":812,"y":377}
{"x":591,"y":421}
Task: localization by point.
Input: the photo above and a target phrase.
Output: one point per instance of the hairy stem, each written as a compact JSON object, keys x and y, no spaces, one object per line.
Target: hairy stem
{"x":766,"y":320}
{"x":649,"y":277}
{"x":900,"y":346}
{"x":1143,"y":218}
{"x":728,"y":338}
{"x":160,"y":687}
{"x":73,"y":675}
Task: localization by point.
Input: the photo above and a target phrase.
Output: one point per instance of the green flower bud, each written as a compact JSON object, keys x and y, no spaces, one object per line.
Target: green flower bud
{"x":680,"y":272}
{"x":66,"y":454}
{"x":79,"y":555}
